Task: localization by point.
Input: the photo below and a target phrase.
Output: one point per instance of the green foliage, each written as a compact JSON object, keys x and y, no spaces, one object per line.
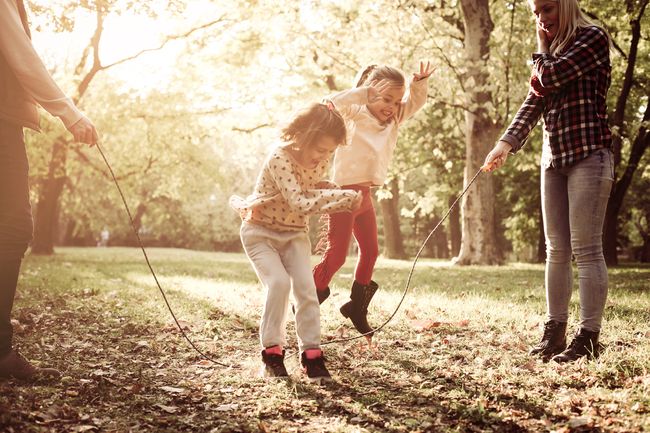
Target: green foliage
{"x":202,"y":131}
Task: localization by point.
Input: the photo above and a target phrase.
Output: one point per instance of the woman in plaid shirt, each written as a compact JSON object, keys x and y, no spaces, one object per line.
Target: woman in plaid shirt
{"x":570,"y":78}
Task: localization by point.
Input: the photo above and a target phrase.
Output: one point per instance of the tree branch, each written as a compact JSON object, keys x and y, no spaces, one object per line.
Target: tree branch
{"x":165,"y":42}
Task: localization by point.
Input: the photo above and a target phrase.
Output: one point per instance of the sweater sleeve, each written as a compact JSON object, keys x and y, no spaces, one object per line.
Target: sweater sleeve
{"x":589,"y":50}
{"x":307,"y":201}
{"x":415,"y":100}
{"x":17,"y":49}
{"x":348,"y":101}
{"x":525,"y":120}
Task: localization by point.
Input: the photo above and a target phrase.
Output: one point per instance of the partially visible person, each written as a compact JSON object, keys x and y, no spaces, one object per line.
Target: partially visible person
{"x":290,"y":187}
{"x":570,"y":79}
{"x":24,"y":83}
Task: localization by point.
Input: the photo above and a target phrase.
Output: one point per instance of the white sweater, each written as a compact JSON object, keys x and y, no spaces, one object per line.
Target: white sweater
{"x":366,"y":158}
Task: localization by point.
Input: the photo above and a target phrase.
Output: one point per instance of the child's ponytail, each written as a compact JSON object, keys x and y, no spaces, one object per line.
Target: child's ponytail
{"x":364,"y":75}
{"x":379,"y":73}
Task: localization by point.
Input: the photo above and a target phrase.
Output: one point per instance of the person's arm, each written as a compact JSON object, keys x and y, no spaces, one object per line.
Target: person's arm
{"x":27,"y":66}
{"x":418,"y":91}
{"x":348,"y":101}
{"x":310,"y":201}
{"x":524,"y":121}
{"x":517,"y":133}
{"x":589,"y":50}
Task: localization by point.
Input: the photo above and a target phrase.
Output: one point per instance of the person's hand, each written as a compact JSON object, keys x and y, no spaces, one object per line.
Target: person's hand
{"x":425,"y":72}
{"x":84,"y":131}
{"x":497,"y":156}
{"x":376,"y":89}
{"x":542,"y":40}
{"x":326,"y":184}
{"x":356,"y":202}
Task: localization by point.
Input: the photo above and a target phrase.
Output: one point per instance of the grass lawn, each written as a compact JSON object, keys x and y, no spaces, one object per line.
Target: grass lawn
{"x":454,"y":358}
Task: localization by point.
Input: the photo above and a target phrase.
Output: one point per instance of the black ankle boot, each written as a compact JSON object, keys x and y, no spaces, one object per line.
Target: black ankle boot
{"x":356,"y":309}
{"x":553,"y":341}
{"x":323,"y":294}
{"x":585,"y":343}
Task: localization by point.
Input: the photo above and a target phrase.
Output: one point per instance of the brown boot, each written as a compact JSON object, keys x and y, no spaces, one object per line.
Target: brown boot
{"x":14,"y":365}
{"x":356,"y":309}
{"x":584,"y":345}
{"x":553,"y":341}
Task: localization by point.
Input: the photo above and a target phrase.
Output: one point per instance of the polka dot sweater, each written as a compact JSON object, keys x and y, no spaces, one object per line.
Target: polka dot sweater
{"x":286,"y":194}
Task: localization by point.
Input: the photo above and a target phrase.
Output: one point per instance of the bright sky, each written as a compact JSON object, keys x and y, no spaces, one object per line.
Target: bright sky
{"x":124,"y":36}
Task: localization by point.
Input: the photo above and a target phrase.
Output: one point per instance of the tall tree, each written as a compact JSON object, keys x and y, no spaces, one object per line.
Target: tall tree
{"x":47,"y":207}
{"x":479,"y":240}
{"x":620,"y":125}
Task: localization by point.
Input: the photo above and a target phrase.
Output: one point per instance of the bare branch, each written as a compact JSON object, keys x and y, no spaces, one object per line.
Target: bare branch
{"x":614,"y":44}
{"x":166,"y":41}
{"x":250,"y":130}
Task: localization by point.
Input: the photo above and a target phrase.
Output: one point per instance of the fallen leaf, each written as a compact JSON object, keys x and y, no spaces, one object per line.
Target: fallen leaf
{"x":172,"y":389}
{"x":424,"y":325}
{"x":578,"y":422}
{"x":168,"y":409}
{"x":227,"y":407}
{"x":530,"y":366}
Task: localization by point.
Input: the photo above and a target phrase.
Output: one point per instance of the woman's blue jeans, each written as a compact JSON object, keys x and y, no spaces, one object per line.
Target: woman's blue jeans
{"x":574,"y":201}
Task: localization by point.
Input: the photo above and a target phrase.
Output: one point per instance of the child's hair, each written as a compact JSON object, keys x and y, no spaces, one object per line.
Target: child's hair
{"x":312,"y":122}
{"x":374,"y":72}
{"x":571,"y":19}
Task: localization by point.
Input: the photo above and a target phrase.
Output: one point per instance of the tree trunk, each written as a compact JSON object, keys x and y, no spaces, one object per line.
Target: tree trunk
{"x":455,"y":231}
{"x":47,"y":208}
{"x":479,"y":241}
{"x":393,"y":241}
{"x":610,"y":230}
{"x":440,"y":243}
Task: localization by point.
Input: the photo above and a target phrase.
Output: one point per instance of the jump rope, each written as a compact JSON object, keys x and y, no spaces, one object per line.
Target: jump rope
{"x":340,"y":340}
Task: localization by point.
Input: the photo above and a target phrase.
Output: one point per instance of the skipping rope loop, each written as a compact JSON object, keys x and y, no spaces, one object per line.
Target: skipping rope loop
{"x":146,"y":257}
{"x":415,"y":260}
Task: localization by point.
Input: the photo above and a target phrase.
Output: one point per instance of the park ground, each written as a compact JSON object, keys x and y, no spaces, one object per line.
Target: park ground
{"x":454,"y":358}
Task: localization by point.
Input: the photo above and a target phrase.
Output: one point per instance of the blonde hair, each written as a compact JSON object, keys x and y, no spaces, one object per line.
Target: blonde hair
{"x":374,"y":72}
{"x":571,"y":19}
{"x":313,"y":122}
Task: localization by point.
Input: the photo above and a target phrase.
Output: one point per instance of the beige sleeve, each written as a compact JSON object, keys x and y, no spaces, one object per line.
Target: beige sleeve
{"x":415,"y":100}
{"x":24,"y":61}
{"x":348,"y":101}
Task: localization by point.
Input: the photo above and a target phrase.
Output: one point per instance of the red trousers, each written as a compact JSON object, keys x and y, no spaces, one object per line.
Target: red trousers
{"x":363,"y":224}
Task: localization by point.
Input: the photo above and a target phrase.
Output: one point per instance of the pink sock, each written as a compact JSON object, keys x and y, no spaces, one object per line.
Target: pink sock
{"x":274,"y":350}
{"x":313,"y":353}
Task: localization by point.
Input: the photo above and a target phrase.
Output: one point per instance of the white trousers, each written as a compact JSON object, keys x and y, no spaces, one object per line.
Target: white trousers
{"x":282,"y":262}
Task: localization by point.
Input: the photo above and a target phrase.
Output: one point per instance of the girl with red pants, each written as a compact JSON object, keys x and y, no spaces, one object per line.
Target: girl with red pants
{"x":373,"y":110}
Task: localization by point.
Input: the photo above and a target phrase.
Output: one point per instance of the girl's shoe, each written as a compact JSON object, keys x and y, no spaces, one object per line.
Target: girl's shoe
{"x":315,"y":369}
{"x":584,"y":344}
{"x":273,"y":365}
{"x":553,"y":341}
{"x":323,"y":294}
{"x":356,"y":309}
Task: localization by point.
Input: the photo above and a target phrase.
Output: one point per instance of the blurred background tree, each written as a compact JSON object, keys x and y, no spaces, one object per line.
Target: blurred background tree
{"x":188,"y":97}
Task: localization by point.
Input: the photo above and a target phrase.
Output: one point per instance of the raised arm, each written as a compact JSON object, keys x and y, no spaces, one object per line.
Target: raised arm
{"x":589,"y":51}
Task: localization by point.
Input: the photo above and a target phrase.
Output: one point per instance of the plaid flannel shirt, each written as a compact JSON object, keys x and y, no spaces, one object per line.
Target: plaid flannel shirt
{"x":575,"y":109}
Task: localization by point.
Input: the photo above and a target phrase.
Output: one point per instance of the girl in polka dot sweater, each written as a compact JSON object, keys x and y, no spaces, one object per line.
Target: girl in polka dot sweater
{"x":289,"y":189}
